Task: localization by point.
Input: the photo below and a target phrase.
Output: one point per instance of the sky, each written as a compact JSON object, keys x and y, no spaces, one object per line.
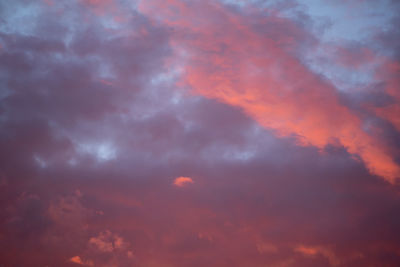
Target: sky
{"x":157,"y":133}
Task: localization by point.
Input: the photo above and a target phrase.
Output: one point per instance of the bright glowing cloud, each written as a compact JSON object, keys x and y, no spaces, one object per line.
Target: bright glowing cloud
{"x":264,"y":78}
{"x":183,"y":181}
{"x":78,"y":260}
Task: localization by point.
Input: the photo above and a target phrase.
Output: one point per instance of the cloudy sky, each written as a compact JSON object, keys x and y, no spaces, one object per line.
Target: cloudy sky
{"x":159,"y":133}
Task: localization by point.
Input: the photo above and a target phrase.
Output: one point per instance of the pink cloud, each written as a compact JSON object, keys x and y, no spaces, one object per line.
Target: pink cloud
{"x":78,"y":260}
{"x":273,"y":142}
{"x":182,"y":181}
{"x":262,"y":77}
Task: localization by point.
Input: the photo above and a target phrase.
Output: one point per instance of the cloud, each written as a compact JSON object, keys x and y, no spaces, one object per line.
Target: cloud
{"x":306,"y":250}
{"x":107,"y":242}
{"x":266,"y":248}
{"x":389,"y":74}
{"x":101,"y":244}
{"x":280,"y":119}
{"x":264,"y":77}
{"x":78,"y":260}
{"x":182,"y":181}
{"x":313,"y":251}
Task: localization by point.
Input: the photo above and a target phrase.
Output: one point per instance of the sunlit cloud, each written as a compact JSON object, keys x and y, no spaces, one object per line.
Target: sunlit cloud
{"x":78,"y":260}
{"x":277,"y":91}
{"x":183,"y":181}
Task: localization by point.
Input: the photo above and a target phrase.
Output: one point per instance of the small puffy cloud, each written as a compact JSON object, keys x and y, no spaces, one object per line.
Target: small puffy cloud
{"x":101,"y":244}
{"x":183,"y":181}
{"x":108,"y":242}
{"x":78,"y":260}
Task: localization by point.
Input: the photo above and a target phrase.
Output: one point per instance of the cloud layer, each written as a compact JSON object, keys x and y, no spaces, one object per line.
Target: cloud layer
{"x":199,"y":133}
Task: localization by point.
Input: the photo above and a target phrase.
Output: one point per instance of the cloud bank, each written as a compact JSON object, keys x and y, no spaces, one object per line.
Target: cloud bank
{"x":199,"y":133}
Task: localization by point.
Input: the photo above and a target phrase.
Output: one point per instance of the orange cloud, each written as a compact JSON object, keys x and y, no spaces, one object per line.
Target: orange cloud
{"x":183,"y":181}
{"x":231,"y":60}
{"x":78,"y":260}
{"x":312,"y":251}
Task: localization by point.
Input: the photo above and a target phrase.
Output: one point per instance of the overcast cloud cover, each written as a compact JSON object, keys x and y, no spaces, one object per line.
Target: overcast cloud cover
{"x":199,"y":133}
